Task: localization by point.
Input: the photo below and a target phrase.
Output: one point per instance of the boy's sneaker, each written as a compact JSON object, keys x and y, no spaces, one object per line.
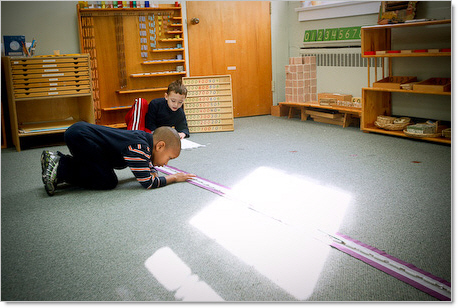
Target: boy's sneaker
{"x":49,"y":163}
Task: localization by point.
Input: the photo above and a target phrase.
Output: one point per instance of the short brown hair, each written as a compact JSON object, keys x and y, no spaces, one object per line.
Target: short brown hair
{"x":169,"y":135}
{"x":178,"y":87}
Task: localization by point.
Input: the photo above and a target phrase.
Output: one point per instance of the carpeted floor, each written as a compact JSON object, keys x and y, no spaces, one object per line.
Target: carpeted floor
{"x":182,"y":242}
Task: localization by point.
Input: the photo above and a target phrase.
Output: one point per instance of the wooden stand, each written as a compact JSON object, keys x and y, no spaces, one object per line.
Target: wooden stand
{"x":377,"y":100}
{"x":209,"y":105}
{"x":341,"y":115}
{"x":47,"y":94}
{"x":135,"y":52}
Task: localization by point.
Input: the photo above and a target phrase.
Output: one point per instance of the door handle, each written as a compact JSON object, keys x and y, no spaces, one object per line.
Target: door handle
{"x":195,"y":21}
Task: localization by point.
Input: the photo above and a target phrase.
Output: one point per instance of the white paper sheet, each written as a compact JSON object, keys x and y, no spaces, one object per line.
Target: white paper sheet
{"x":188,"y":144}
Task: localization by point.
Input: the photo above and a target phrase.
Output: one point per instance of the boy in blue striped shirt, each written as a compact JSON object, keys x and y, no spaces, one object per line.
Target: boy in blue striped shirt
{"x":96,"y":151}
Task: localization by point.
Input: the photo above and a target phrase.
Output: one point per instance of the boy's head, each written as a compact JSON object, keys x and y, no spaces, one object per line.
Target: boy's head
{"x":166,"y":145}
{"x":175,"y":95}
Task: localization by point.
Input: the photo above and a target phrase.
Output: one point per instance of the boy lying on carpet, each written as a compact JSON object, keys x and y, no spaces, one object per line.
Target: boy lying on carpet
{"x":97,"y":150}
{"x":164,"y":111}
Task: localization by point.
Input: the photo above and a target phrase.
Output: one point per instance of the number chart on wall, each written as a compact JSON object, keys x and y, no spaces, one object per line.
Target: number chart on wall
{"x":333,"y":34}
{"x":209,"y":105}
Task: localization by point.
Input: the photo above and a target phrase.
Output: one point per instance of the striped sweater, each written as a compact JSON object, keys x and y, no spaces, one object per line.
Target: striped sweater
{"x":138,"y":159}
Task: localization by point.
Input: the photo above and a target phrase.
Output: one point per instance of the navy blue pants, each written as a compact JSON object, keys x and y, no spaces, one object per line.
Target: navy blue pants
{"x":87,"y":165}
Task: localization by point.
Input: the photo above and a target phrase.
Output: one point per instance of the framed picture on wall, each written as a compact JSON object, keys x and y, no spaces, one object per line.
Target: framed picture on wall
{"x":13,"y":45}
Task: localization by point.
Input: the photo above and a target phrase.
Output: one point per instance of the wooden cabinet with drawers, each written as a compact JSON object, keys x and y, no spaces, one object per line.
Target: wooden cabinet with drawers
{"x":47,"y":94}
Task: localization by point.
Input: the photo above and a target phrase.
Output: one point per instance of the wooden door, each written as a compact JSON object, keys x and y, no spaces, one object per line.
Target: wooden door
{"x":233,"y":37}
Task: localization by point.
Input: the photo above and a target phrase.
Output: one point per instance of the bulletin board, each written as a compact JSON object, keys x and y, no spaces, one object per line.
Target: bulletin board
{"x":209,"y":104}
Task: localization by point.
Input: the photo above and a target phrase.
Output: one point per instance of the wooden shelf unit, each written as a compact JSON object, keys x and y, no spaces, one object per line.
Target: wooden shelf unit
{"x":47,"y":94}
{"x":377,"y":101}
{"x":122,"y":44}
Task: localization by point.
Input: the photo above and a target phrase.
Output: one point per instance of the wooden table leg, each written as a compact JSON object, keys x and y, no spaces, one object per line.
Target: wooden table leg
{"x":304,"y":115}
{"x":346,"y":121}
{"x":291,"y":113}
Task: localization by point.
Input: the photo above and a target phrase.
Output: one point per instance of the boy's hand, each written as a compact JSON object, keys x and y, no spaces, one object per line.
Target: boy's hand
{"x":179,"y":177}
{"x":182,"y":135}
{"x":182,"y":177}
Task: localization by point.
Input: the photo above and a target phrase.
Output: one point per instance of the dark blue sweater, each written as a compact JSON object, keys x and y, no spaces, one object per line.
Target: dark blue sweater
{"x":159,"y":114}
{"x":121,"y":148}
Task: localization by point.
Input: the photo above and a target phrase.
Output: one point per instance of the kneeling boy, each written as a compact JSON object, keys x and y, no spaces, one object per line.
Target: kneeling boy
{"x":164,"y":111}
{"x":97,"y":150}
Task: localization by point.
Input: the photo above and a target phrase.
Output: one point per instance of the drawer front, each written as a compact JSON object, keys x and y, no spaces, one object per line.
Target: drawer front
{"x":44,"y":70}
{"x":50,"y":76}
{"x":31,"y":77}
{"x":48,"y":60}
{"x":50,"y":84}
{"x":50,"y":89}
{"x":52,"y":93}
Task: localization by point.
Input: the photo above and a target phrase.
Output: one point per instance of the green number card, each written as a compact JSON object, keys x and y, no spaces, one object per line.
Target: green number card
{"x":313,"y":34}
{"x":334,"y":34}
{"x":310,"y":35}
{"x":320,"y":35}
{"x":356,"y":33}
{"x":340,"y":34}
{"x":307,"y":36}
{"x":327,"y":35}
{"x":352,"y":33}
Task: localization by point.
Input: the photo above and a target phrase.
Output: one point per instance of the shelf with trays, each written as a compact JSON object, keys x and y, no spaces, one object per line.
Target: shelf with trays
{"x":44,"y":100}
{"x":156,"y":74}
{"x":165,"y":61}
{"x":172,"y":39}
{"x":412,"y":54}
{"x":142,"y":90}
{"x":168,"y":50}
{"x":133,"y":41}
{"x":117,"y":125}
{"x":378,"y":101}
{"x":116,"y":108}
{"x":125,"y":11}
{"x":406,"y":91}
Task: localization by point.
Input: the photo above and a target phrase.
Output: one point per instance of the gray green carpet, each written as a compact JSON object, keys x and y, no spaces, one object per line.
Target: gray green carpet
{"x":83,"y":245}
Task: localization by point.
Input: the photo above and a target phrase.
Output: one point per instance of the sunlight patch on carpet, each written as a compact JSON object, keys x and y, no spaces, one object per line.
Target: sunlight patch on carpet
{"x":273,"y":228}
{"x":176,"y":276}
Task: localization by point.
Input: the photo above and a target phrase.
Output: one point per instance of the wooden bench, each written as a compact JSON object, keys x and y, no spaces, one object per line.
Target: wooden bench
{"x":341,"y":115}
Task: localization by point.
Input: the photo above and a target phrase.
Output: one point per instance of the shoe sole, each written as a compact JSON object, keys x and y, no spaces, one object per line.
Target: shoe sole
{"x":49,"y":190}
{"x":43,"y":167}
{"x":49,"y":186}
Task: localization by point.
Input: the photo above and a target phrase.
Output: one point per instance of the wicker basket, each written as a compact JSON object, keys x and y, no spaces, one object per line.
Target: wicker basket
{"x":385,"y":119}
{"x":447,"y":133}
{"x":393,"y":126}
{"x":396,"y":123}
{"x":414,"y":135}
{"x":402,"y":120}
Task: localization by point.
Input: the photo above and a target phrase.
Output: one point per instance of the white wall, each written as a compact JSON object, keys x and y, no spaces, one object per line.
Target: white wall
{"x":427,"y":106}
{"x":280,"y":48}
{"x":54,"y":24}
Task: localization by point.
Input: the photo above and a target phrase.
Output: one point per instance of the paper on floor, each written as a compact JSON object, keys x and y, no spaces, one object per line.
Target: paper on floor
{"x":188,"y":144}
